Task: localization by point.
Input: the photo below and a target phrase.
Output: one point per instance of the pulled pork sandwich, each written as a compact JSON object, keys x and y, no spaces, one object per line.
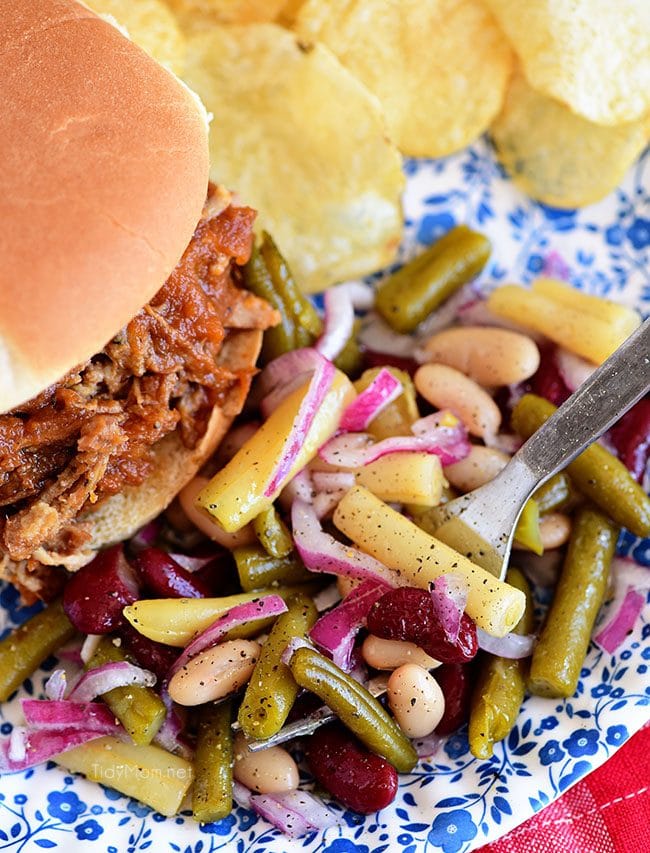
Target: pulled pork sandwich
{"x":127,"y":344}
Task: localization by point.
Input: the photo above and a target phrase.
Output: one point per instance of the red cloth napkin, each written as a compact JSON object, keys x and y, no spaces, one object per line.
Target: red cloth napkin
{"x":607,"y":812}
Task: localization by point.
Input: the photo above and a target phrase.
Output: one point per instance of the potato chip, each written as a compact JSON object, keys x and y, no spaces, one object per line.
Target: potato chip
{"x":439,"y":67}
{"x":593,"y":55}
{"x":195,"y":15}
{"x":558,"y":157}
{"x":304,"y":142}
{"x":151,"y":25}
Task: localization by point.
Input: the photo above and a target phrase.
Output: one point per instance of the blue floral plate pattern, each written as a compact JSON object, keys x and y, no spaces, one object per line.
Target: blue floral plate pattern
{"x":453,"y":802}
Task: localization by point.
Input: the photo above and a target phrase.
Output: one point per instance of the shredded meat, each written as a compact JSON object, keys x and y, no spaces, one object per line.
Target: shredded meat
{"x":92,"y":433}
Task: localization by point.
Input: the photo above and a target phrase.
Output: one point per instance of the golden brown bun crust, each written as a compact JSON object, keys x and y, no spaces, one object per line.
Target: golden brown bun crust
{"x":104,"y":174}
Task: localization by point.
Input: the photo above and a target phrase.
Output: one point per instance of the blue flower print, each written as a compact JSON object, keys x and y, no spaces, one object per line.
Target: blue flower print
{"x":582,"y":743}
{"x":89,"y":830}
{"x":344,"y":845}
{"x":450,"y":830}
{"x":219,"y":827}
{"x":616,"y":735}
{"x":433,"y":226}
{"x":614,"y":235}
{"x":65,"y":806}
{"x":456,"y":746}
{"x":138,"y":809}
{"x":550,"y":752}
{"x":639,"y":233}
{"x":535,"y":264}
{"x":600,"y":690}
{"x":549,"y":723}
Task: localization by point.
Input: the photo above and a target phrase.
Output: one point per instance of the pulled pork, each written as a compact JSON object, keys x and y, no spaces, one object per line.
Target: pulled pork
{"x":92,"y":433}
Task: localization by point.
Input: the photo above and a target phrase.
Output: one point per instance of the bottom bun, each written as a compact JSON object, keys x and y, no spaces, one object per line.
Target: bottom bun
{"x":120,"y":516}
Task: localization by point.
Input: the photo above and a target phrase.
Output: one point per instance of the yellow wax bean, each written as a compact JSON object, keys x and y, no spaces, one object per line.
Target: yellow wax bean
{"x":235,"y":495}
{"x":418,"y":558}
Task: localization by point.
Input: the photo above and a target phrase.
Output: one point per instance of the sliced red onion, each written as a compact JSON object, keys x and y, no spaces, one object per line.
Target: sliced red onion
{"x":170,"y":734}
{"x":555,"y":266}
{"x":428,"y":745}
{"x":631,"y":585}
{"x":259,"y":608}
{"x":56,"y":685}
{"x":17,"y":744}
{"x":72,"y":654}
{"x":313,"y":811}
{"x":333,"y":481}
{"x":450,"y":310}
{"x":361,"y":295}
{"x":146,"y":536}
{"x":335,"y":632}
{"x":43,"y":745}
{"x":573,"y":369}
{"x":512,"y":646}
{"x":381,"y":392}
{"x":296,"y":813}
{"x":280,"y":816}
{"x":54,"y":715}
{"x":449,"y":594}
{"x":377,"y":335}
{"x":319,"y":385}
{"x":283,"y":369}
{"x":89,"y":647}
{"x":270,"y":403}
{"x":192,"y":564}
{"x":504,"y":442}
{"x":242,"y":795}
{"x":326,"y":502}
{"x":320,"y":552}
{"x":299,"y":487}
{"x":294,"y":644}
{"x":354,"y":450}
{"x":339,"y":305}
{"x":98,"y":681}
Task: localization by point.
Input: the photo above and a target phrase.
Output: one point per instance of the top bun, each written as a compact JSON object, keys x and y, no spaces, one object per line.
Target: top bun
{"x":104,"y":174}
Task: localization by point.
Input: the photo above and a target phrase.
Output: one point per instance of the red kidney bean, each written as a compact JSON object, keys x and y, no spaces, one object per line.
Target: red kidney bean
{"x":163,"y":577}
{"x":547,"y":381}
{"x":411,"y":614}
{"x":360,"y":780}
{"x":456,"y":684}
{"x":631,"y":438}
{"x":94,"y":596}
{"x":156,"y":657}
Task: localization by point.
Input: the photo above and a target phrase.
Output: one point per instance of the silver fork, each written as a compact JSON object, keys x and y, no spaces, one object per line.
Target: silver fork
{"x":481,"y":524}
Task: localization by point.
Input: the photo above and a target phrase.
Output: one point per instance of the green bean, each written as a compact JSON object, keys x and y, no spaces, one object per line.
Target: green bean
{"x":555,"y":493}
{"x":280,"y":338}
{"x":595,"y":472}
{"x":272,"y":689}
{"x":563,"y":641}
{"x":396,"y":419}
{"x":257,"y":569}
{"x":140,"y":710}
{"x":213,"y":760}
{"x":500,"y":686}
{"x":25,"y":649}
{"x":308,"y":324}
{"x":272,"y":533}
{"x":408,"y":296}
{"x":354,"y":706}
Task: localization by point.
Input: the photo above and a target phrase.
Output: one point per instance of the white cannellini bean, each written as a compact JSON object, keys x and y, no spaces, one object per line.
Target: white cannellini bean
{"x":479,"y":467}
{"x":215,"y":673}
{"x":555,"y":530}
{"x":269,"y":771}
{"x":208,"y":524}
{"x":489,"y":356}
{"x":416,"y":700}
{"x":447,"y":388}
{"x":391,"y":654}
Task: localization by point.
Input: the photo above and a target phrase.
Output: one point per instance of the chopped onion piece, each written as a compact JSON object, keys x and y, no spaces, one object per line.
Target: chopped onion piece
{"x":280,"y":816}
{"x":326,"y":502}
{"x":56,"y":685}
{"x":320,"y":552}
{"x":428,"y":745}
{"x":573,"y":369}
{"x":169,"y":735}
{"x":294,"y":644}
{"x":335,"y":632}
{"x":300,"y":487}
{"x":378,"y":336}
{"x":192,"y":564}
{"x":449,"y":596}
{"x":631,"y":585}
{"x":340,"y":302}
{"x":381,"y":392}
{"x":512,"y":646}
{"x":259,"y":608}
{"x":450,"y":443}
{"x":146,"y":536}
{"x":89,"y":647}
{"x":43,"y":745}
{"x":504,"y":442}
{"x":333,"y":481}
{"x":97,"y":681}
{"x":296,"y":813}
{"x":17,"y":744}
{"x":54,"y":715}
{"x":270,"y":403}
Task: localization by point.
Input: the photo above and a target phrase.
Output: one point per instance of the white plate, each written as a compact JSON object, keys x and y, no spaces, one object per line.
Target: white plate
{"x":455,"y":803}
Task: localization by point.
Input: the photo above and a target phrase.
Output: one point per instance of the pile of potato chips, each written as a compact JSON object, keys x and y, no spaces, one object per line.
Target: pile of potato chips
{"x":315,"y":101}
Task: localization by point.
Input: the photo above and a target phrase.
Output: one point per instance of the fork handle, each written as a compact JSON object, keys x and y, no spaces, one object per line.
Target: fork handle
{"x":597,"y":404}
